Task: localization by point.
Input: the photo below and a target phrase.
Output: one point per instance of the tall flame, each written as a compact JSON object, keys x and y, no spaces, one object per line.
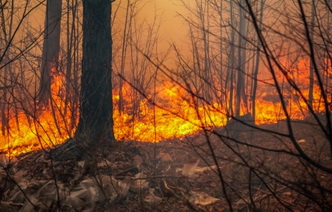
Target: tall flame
{"x":169,"y":113}
{"x":41,"y":127}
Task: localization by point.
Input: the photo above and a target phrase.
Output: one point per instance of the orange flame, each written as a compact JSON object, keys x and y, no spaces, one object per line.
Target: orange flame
{"x":174,"y":114}
{"x":41,"y":128}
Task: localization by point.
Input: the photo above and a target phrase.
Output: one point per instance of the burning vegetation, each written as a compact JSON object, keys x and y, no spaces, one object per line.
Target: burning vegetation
{"x":168,"y":111}
{"x":236,"y":119}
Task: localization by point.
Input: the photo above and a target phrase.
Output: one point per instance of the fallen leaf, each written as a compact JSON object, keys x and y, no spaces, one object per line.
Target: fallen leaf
{"x":74,"y":200}
{"x":164,"y":157}
{"x":301,"y":141}
{"x":27,"y":206}
{"x":84,"y":195}
{"x":122,"y":188}
{"x":21,"y":180}
{"x":201,"y":198}
{"x":188,"y":169}
{"x":113,"y":189}
{"x":138,"y":183}
{"x":152,"y":199}
{"x":81,"y":163}
{"x":47,"y":195}
{"x":103,"y":164}
{"x":204,"y":169}
{"x":138,"y":160}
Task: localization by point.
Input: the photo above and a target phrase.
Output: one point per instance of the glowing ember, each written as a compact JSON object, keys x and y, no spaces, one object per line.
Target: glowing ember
{"x":175,"y":115}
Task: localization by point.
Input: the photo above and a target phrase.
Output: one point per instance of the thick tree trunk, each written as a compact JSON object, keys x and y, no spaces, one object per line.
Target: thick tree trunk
{"x":51,"y":48}
{"x":96,"y":97}
{"x":95,"y":127}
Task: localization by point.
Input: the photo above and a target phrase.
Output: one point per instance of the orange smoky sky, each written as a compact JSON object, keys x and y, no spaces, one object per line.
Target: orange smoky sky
{"x":165,"y":12}
{"x":172,"y":27}
{"x":163,"y":16}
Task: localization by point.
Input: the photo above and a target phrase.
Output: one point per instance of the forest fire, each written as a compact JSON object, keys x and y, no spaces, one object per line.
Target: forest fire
{"x":215,"y":105}
{"x":170,"y":113}
{"x":42,"y":128}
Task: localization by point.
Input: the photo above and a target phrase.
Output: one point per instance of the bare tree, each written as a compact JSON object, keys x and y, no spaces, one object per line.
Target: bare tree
{"x":257,"y":63}
{"x":51,"y":48}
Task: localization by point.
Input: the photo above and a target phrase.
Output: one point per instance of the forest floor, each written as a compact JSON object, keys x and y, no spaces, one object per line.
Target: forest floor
{"x":174,"y":175}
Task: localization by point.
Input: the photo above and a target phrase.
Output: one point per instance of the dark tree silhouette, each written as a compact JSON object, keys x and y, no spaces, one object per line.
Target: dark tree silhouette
{"x":96,"y":96}
{"x":95,"y":127}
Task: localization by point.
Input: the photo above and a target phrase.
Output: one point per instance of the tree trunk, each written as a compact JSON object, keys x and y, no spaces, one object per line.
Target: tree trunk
{"x":256,"y":68}
{"x":231,"y":63}
{"x":51,"y":48}
{"x":125,"y":42}
{"x":95,"y":127}
{"x":240,"y":86}
{"x":96,"y":110}
{"x":205,"y":24}
{"x":311,"y":70}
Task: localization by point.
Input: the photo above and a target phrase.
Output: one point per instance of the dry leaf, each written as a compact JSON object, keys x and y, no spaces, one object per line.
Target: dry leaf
{"x":42,"y":192}
{"x":164,"y":157}
{"x":188,"y":169}
{"x":152,"y":199}
{"x":104,"y":163}
{"x":138,"y":160}
{"x":89,"y":191}
{"x":74,"y":200}
{"x":28,"y":206}
{"x":10,"y":206}
{"x":113,"y":189}
{"x":201,"y":198}
{"x":121,"y":187}
{"x":84,"y":195}
{"x":21,"y":180}
{"x":301,"y":141}
{"x":46,"y":195}
{"x":87,"y":183}
{"x":203,"y":169}
{"x":81,"y":163}
{"x":138,"y":184}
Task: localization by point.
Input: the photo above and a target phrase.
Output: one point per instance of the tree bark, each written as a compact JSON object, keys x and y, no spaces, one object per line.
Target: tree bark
{"x":240,"y":86}
{"x":96,"y":109}
{"x":257,"y":63}
{"x":311,"y":69}
{"x":95,"y":127}
{"x":51,"y":48}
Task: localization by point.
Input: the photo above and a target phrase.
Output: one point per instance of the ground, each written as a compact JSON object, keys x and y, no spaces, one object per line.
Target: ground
{"x":177,"y":175}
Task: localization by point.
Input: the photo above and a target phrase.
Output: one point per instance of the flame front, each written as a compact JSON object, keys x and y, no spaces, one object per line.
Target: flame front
{"x":171,"y":112}
{"x":169,"y":115}
{"x":41,"y":127}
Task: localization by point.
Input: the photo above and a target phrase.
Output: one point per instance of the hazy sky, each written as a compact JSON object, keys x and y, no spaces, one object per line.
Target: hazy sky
{"x":172,"y":27}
